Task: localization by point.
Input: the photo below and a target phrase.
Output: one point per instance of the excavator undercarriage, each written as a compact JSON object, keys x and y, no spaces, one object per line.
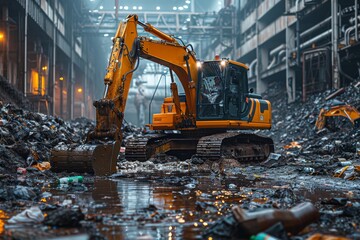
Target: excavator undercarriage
{"x":238,"y":145}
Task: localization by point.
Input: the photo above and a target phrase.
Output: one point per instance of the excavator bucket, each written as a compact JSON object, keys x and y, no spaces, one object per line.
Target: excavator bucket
{"x":98,"y":159}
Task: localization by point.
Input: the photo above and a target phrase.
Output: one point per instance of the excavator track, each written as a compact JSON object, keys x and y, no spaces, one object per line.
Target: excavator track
{"x":142,"y":148}
{"x":242,"y":146}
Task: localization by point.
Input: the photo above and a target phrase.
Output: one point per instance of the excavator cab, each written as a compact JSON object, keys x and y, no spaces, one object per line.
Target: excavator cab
{"x":222,"y":90}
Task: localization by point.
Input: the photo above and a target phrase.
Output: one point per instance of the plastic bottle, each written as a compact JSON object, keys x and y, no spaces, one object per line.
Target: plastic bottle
{"x":294,"y":219}
{"x":358,"y":148}
{"x":67,"y":180}
{"x":263,"y":236}
{"x":309,"y":170}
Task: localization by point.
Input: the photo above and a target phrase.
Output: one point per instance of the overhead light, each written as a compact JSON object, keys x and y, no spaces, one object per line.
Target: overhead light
{"x":181,"y":8}
{"x":219,"y":2}
{"x":106,"y":34}
{"x":101,"y":7}
{"x":187,"y":1}
{"x":134,"y":7}
{"x":79,"y":90}
{"x":90,"y":11}
{"x":186,"y":6}
{"x":140,"y":7}
{"x":95,"y":11}
{"x":114,"y":7}
{"x":158,"y":8}
{"x":121,"y":7}
{"x":126,"y":7}
{"x":188,"y":19}
{"x":92,"y":0}
{"x":175,"y":8}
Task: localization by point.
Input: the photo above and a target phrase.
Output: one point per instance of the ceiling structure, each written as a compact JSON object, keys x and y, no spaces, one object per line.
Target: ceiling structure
{"x":194,"y":21}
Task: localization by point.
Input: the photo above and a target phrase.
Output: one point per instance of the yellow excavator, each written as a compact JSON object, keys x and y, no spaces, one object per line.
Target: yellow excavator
{"x":206,"y":120}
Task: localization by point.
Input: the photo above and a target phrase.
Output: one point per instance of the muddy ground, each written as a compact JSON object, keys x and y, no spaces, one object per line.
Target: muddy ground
{"x":171,"y":199}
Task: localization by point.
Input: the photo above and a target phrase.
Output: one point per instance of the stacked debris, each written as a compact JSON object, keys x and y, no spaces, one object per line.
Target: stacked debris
{"x":28,"y":137}
{"x":297,"y":139}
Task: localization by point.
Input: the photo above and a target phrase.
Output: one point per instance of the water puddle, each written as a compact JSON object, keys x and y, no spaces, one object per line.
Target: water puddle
{"x":168,"y":207}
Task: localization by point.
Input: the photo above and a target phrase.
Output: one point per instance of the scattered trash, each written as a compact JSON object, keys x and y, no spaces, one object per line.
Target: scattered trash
{"x":293,"y":145}
{"x":24,"y":193}
{"x":232,"y":186}
{"x":345,"y":163}
{"x":42,"y":166}
{"x":335,"y":201}
{"x":274,"y":160}
{"x":309,"y":170}
{"x":21,"y":170}
{"x":319,"y":236}
{"x":31,"y":215}
{"x":244,"y":224}
{"x":348,"y":172}
{"x":64,"y":217}
{"x":263,"y":236}
{"x":67,"y":180}
{"x":294,"y":220}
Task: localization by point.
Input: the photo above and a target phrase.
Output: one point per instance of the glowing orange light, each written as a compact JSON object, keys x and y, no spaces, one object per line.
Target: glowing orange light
{"x":79,"y":90}
{"x":44,"y":68}
{"x":61,"y":78}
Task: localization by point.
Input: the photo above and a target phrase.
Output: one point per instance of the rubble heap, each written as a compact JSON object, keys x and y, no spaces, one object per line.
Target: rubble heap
{"x":28,"y":137}
{"x":298,"y":141}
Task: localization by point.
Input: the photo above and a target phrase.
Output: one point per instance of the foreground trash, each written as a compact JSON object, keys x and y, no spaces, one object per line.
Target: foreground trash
{"x":244,"y":224}
{"x":319,"y":236}
{"x":31,"y":215}
{"x":67,"y":180}
{"x":64,"y":217}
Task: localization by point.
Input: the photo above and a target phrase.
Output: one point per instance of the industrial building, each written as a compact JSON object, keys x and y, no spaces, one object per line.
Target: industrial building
{"x":303,"y":46}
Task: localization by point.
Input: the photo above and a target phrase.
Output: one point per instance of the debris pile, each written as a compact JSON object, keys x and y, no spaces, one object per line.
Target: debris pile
{"x":298,"y":141}
{"x":28,"y":137}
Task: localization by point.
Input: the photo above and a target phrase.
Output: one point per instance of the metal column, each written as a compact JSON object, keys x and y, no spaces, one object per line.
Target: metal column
{"x":335,"y":36}
{"x":54,"y":63}
{"x":25,"y":45}
{"x":290,"y":72}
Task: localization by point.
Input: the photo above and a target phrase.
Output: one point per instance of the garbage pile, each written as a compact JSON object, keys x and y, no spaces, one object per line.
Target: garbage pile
{"x":297,"y":139}
{"x":26,"y":138}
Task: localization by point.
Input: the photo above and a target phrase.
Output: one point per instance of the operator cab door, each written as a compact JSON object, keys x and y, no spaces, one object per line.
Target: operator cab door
{"x":222,"y":91}
{"x":236,"y":92}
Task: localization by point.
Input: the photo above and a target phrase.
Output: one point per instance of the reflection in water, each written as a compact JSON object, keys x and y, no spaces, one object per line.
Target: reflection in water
{"x":129,"y":208}
{"x":137,"y":208}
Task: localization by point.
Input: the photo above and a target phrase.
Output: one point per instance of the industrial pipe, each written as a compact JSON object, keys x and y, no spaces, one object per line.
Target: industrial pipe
{"x":251,"y":68}
{"x":356,"y":21}
{"x":348,"y":32}
{"x":317,"y":38}
{"x":314,"y":28}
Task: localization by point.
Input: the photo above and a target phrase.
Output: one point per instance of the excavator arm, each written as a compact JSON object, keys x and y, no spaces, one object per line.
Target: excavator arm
{"x":127,"y":49}
{"x":99,"y":153}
